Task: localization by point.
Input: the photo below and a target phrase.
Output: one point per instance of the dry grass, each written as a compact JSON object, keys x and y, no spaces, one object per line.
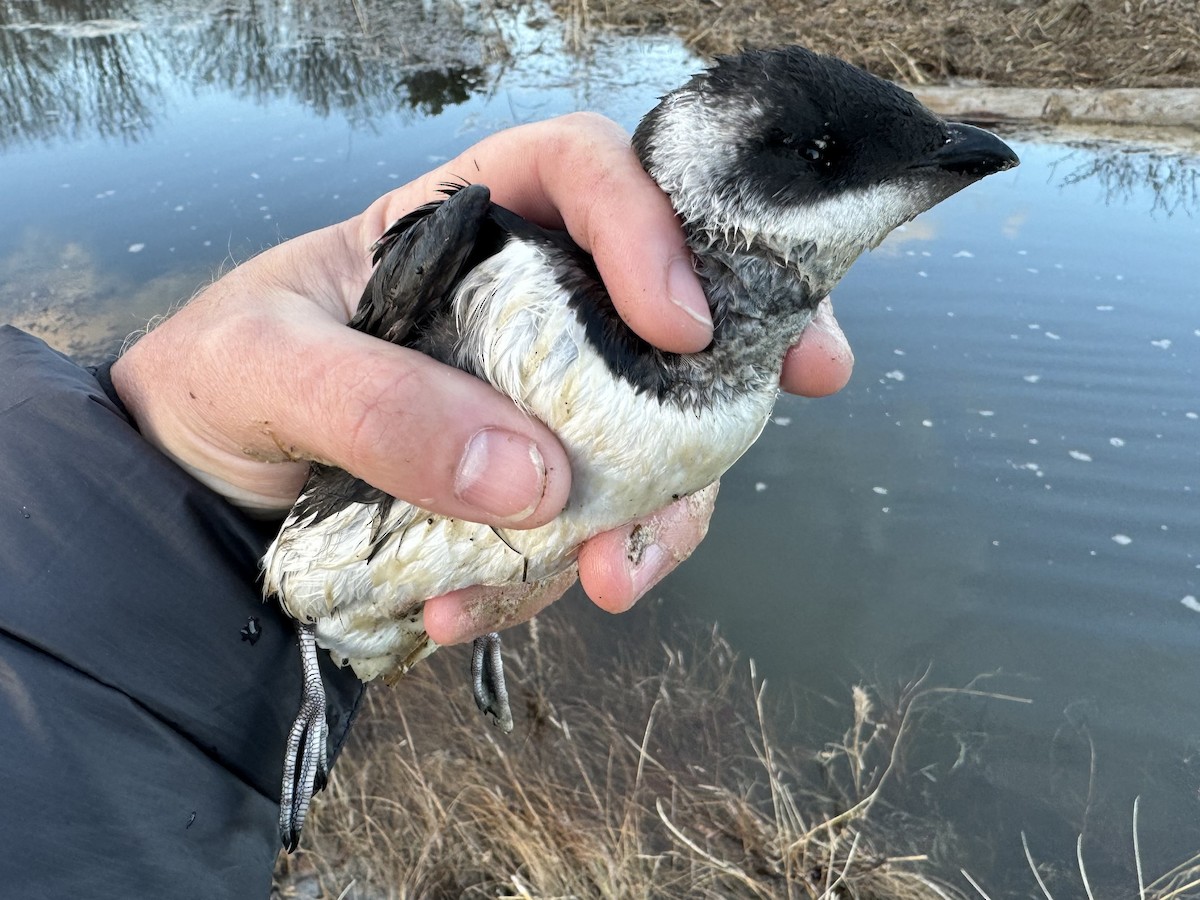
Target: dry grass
{"x":1031,"y":43}
{"x":655,"y":776}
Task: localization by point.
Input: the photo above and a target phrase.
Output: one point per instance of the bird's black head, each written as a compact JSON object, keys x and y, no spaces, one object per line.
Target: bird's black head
{"x":805,"y":156}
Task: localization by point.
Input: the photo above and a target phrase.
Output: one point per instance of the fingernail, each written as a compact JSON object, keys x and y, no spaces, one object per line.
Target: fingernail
{"x":650,"y":569}
{"x":502,"y":474}
{"x":683,"y":289}
{"x":824,"y":319}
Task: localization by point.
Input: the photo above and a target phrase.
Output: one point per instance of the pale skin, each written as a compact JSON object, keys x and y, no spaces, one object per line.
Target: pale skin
{"x":258,"y":375}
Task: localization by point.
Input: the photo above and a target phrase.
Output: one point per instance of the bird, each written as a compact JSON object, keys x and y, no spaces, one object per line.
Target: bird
{"x":783,"y":166}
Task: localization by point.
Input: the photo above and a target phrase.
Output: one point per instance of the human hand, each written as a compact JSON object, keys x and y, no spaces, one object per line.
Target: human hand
{"x":258,"y":375}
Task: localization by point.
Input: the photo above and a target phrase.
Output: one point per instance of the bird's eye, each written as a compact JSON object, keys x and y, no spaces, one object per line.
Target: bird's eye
{"x":819,"y":150}
{"x":815,"y":151}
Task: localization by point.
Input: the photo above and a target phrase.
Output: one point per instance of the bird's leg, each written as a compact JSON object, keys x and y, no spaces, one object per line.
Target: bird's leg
{"x":306,"y":762}
{"x":487,"y":680}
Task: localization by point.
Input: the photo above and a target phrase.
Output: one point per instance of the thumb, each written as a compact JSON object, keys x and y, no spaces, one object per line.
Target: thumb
{"x":238,"y":393}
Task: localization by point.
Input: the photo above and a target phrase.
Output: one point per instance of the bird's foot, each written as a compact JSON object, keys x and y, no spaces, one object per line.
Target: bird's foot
{"x":306,"y":762}
{"x":487,"y":680}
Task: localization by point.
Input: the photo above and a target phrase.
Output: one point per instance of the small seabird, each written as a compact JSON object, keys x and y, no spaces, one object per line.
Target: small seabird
{"x":784,"y":166}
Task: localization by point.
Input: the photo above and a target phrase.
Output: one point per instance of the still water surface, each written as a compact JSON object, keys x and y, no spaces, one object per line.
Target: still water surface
{"x":1008,"y":485}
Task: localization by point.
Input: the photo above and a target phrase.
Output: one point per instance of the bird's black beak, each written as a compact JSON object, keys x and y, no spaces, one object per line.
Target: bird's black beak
{"x":972,"y":152}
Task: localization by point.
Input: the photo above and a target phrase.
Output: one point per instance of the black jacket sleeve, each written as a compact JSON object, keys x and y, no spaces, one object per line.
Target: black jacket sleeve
{"x":141,"y":729}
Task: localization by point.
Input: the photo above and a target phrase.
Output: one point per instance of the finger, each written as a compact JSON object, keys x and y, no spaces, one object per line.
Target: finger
{"x":616,"y":212}
{"x":579,"y":172}
{"x":618,"y":567}
{"x":464,"y":615}
{"x":821,"y":362}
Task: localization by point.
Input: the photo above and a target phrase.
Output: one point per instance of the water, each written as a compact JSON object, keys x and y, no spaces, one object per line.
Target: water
{"x":1007,"y":487}
{"x":204,"y":134}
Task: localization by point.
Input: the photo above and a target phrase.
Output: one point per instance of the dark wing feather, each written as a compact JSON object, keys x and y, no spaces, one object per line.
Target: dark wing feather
{"x":419,"y":262}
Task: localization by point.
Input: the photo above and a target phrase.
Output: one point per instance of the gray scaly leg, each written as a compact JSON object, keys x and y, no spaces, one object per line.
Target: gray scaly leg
{"x":306,"y":762}
{"x":487,"y":680}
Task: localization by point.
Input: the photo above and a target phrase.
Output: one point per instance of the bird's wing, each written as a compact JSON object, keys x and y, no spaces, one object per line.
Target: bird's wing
{"x":418,"y":263}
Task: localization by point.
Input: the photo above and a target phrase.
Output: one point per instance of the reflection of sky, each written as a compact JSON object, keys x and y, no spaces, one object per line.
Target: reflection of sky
{"x":1058,"y":356}
{"x":228,"y":172}
{"x":1008,"y":483}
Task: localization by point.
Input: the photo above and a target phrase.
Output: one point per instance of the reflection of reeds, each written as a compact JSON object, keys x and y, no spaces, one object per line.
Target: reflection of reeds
{"x":57,"y":78}
{"x":362,"y":60}
{"x":1126,"y":173}
{"x":1181,"y":881}
{"x":95,"y":67}
{"x":653,"y":777}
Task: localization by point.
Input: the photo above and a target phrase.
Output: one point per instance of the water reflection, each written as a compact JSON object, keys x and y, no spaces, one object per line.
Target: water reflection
{"x":95,"y":67}
{"x":1128,"y":175}
{"x":422,"y":55}
{"x":244,"y":123}
{"x":74,"y":69}
{"x":77,"y":303}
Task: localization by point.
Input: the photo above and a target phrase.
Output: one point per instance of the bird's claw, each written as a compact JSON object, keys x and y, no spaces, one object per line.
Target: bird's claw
{"x":487,"y":680}
{"x":306,"y":762}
